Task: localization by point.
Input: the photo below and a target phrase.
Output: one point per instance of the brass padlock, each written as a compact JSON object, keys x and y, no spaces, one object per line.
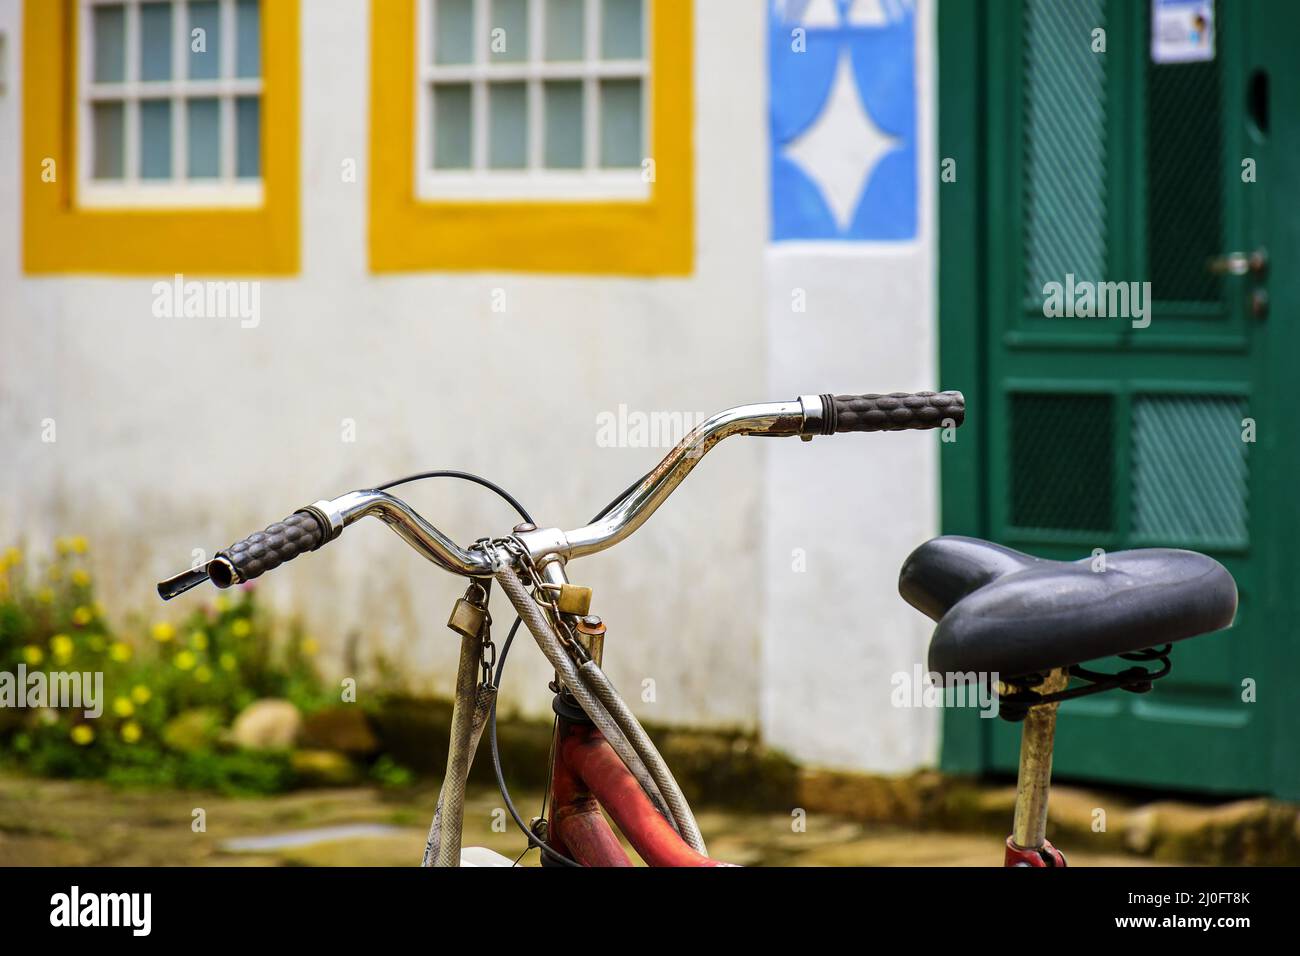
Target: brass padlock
{"x":467,"y":618}
{"x":574,"y":599}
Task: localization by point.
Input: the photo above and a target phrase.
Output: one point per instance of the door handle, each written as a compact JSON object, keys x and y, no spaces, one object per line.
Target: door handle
{"x":1239,"y":263}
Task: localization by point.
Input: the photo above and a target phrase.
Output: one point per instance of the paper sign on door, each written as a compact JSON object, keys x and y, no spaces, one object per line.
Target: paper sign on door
{"x":1182,"y":31}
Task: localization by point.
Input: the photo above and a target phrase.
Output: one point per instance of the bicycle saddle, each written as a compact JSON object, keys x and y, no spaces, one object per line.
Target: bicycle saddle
{"x":1014,"y":614}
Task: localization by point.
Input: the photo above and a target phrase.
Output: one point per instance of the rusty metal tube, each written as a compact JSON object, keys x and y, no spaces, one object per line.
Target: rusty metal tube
{"x":547,"y":640}
{"x":1034,"y":782}
{"x":644,"y":746}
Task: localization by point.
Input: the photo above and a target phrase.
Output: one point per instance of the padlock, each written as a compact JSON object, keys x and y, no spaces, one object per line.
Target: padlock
{"x":574,"y":599}
{"x":466,"y":618}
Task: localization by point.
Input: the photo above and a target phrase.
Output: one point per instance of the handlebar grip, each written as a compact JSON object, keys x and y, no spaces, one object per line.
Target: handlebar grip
{"x":262,"y":551}
{"x":896,"y":411}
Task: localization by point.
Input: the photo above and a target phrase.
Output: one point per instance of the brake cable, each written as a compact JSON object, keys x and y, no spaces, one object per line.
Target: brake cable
{"x":533,"y":838}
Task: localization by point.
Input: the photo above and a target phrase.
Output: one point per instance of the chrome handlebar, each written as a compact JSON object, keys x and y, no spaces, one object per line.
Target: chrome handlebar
{"x":407,"y":522}
{"x":801,"y":417}
{"x":635,"y":507}
{"x":805,"y":417}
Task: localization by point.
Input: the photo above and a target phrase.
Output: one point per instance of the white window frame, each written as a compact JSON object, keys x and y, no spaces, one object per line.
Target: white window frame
{"x":536,"y":182}
{"x":179,"y":191}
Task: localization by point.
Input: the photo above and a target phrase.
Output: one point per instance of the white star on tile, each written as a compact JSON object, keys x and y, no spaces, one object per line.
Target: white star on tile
{"x":842,"y":147}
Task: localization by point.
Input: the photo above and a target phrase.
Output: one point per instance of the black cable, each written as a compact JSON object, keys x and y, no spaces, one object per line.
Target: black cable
{"x":626,"y":491}
{"x":533,"y":839}
{"x":466,"y":476}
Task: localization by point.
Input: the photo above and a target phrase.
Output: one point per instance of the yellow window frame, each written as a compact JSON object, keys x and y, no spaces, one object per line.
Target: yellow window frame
{"x":59,"y":236}
{"x":653,"y":236}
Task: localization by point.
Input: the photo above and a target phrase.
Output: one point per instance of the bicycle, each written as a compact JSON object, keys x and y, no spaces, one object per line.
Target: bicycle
{"x":601,"y":757}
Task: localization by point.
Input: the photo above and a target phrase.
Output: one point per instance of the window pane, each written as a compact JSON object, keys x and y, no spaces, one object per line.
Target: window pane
{"x":620,"y":123}
{"x":248,"y":38}
{"x":507,"y":126}
{"x":620,"y":30}
{"x":204,"y":138}
{"x":107,"y":122}
{"x":110,"y":44}
{"x":453,"y":31}
{"x":563,"y":125}
{"x":451,"y":126}
{"x":204,"y":40}
{"x":248,"y":137}
{"x":155,"y":139}
{"x":508,"y":31}
{"x":564,"y":29}
{"x":156,"y":41}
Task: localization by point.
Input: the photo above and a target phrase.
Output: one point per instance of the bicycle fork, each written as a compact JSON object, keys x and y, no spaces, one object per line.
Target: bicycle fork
{"x":1028,"y":844}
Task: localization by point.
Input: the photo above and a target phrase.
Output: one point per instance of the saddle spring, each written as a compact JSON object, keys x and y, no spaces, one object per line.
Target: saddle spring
{"x":1136,"y":680}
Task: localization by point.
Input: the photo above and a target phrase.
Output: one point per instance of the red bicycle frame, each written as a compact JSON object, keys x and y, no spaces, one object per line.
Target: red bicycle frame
{"x":588,"y":775}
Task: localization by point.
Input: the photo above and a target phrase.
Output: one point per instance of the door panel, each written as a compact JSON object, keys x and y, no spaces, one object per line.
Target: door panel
{"x":1103,"y":433}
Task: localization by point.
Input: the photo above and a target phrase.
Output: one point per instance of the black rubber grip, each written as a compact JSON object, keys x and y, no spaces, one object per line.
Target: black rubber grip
{"x":896,"y":411}
{"x":283,"y":541}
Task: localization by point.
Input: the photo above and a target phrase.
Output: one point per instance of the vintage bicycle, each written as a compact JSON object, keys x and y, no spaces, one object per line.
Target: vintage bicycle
{"x":999,"y":613}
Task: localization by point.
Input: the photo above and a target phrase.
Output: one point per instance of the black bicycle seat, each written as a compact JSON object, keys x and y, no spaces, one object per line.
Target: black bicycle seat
{"x":1005,"y":612}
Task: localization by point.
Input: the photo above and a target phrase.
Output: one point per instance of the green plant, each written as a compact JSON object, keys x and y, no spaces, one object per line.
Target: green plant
{"x":218,"y":659}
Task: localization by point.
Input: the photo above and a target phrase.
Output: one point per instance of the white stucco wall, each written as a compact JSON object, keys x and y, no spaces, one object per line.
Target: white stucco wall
{"x":176,"y":434}
{"x":843,"y":513}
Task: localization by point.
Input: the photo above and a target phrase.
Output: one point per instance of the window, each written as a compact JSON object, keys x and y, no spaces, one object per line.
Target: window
{"x":532,"y":98}
{"x":532,"y":135}
{"x":170,"y":102}
{"x":160,"y":136}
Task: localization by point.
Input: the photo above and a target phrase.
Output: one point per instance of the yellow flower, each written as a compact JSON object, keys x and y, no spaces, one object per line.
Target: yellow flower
{"x":82,"y":616}
{"x":45,"y":596}
{"x":309,"y":646}
{"x":120,"y":652}
{"x":227,"y":661}
{"x":62,"y":545}
{"x":222,"y":603}
{"x":163,"y":632}
{"x":241,"y":628}
{"x":83,"y":734}
{"x":81,"y":577}
{"x":79,"y":545}
{"x":13,"y":557}
{"x":199,"y":640}
{"x":203,"y":674}
{"x":62,"y":646}
{"x":185,"y":660}
{"x":98,"y":608}
{"x":123,"y":707}
{"x":33,"y":655}
{"x":131,"y":731}
{"x":141,"y":694}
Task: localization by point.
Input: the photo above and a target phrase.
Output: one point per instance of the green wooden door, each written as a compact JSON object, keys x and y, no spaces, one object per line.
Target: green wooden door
{"x":1087,"y":171}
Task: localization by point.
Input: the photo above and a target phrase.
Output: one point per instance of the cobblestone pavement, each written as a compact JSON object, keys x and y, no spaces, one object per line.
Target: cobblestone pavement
{"x":82,"y":823}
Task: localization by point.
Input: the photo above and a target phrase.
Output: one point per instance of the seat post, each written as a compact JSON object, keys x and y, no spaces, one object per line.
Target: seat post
{"x":1035,"y":779}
